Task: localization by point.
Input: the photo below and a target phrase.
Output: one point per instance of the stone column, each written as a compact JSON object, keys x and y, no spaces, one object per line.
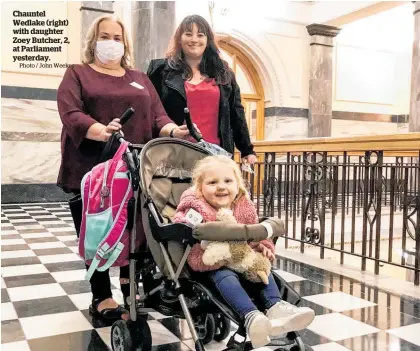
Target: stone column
{"x":414,"y":123}
{"x":153,"y":24}
{"x":320,"y":79}
{"x":89,"y":11}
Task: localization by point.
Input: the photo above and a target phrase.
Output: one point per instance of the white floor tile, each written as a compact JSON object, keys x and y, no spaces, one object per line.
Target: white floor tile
{"x":37,"y":211}
{"x":49,"y":245}
{"x":54,"y":222}
{"x":9,"y":232}
{"x":336,"y":326}
{"x":5,"y":242}
{"x":105,"y":334}
{"x":118,"y":296}
{"x":61,"y":229}
{"x":37,"y":235}
{"x":410,"y":333}
{"x":54,"y":324}
{"x":75,"y":249}
{"x":67,"y":238}
{"x":17,"y":254}
{"x":4,"y":225}
{"x":8,"y":311}
{"x":23,"y":270}
{"x":33,"y":292}
{"x":81,"y":301}
{"x":16,"y":346}
{"x":161,"y":335}
{"x":69,"y":276}
{"x":44,"y":216}
{"x":331,"y":346}
{"x":16,"y":215}
{"x":62,"y":213}
{"x":59,"y":258}
{"x":25,"y":220}
{"x":115,"y":281}
{"x":32,"y":207}
{"x":339,"y":301}
{"x":29,"y":226}
{"x":288,"y":277}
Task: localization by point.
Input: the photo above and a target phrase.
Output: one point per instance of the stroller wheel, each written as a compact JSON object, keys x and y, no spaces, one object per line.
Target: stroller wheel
{"x":120,"y":336}
{"x":206,"y":327}
{"x":222,"y":329}
{"x":129,"y":335}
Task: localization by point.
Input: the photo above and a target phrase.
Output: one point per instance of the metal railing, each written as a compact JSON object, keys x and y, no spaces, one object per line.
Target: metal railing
{"x":356,"y":196}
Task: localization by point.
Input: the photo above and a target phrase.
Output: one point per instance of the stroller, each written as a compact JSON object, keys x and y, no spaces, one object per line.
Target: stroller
{"x":160,"y":173}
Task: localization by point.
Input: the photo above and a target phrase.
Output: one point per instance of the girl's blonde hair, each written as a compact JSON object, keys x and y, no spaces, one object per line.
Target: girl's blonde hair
{"x":92,"y":37}
{"x":211,"y":162}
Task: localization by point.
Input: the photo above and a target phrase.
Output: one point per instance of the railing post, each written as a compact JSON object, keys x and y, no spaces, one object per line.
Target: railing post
{"x":378,"y":189}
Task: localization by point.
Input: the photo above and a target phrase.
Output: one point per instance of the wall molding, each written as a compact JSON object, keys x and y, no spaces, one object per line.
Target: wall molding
{"x":13,"y":92}
{"x":342,"y":115}
{"x":25,"y":193}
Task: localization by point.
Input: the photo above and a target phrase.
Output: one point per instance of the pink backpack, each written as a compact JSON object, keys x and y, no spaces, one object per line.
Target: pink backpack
{"x":106,"y":191}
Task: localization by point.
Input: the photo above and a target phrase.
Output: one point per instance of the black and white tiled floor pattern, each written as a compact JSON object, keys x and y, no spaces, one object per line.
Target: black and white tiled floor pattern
{"x":45,"y":298}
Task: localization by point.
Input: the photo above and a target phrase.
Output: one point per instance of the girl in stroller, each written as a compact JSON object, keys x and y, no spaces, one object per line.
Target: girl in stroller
{"x":217,"y":183}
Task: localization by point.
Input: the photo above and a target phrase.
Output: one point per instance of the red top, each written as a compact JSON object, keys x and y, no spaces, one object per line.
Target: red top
{"x":86,"y":96}
{"x":203,"y":103}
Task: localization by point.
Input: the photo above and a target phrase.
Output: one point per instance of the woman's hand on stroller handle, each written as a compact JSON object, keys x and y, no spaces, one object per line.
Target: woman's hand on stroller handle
{"x":223,"y":231}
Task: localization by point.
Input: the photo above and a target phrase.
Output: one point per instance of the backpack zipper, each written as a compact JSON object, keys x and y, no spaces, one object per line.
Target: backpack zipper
{"x":105,"y":189}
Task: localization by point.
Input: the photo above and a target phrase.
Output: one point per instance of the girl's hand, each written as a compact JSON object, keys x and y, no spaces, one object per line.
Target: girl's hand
{"x":266,"y":252}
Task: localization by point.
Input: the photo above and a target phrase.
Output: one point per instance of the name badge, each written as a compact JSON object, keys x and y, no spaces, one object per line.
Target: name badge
{"x":193,"y":217}
{"x":136,"y":85}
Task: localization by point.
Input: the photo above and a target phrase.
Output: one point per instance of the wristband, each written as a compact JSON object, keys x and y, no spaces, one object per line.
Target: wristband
{"x":171,"y":134}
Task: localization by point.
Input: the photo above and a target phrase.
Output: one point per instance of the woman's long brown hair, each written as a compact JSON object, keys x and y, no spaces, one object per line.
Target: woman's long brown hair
{"x":211,"y":63}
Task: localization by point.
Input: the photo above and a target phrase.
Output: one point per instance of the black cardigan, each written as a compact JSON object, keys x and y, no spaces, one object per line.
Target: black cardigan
{"x":233,"y":129}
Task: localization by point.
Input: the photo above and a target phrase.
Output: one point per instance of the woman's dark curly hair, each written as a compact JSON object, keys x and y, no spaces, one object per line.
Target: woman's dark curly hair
{"x":211,"y":64}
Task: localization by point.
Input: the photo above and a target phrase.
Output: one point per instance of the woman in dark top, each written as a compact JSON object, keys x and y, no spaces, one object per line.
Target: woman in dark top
{"x":89,"y":99}
{"x":193,"y":75}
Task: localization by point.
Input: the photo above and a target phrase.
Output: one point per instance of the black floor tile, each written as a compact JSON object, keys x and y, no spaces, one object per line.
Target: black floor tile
{"x":20,"y":247}
{"x":4,"y":296}
{"x":308,"y":287}
{"x":177,"y":327}
{"x":178,"y":346}
{"x":38,"y":307}
{"x":54,"y":251}
{"x":10,"y":236}
{"x":86,"y":340}
{"x":31,"y":231}
{"x":76,"y":287}
{"x":20,"y":261}
{"x":26,"y":280}
{"x":65,"y":266}
{"x":11,"y":331}
{"x":41,"y":240}
{"x":310,"y":338}
{"x":60,"y":225}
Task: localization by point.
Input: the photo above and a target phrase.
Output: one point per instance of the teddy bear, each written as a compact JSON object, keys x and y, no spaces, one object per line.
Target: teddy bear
{"x":237,"y":255}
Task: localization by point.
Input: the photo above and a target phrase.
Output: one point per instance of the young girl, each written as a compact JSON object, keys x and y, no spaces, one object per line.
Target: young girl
{"x":217,"y":183}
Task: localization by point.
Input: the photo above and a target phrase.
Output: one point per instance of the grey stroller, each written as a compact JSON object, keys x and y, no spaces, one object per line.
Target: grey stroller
{"x":160,"y":174}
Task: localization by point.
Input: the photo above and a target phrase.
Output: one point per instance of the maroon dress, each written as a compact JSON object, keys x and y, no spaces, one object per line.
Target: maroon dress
{"x":85,"y":97}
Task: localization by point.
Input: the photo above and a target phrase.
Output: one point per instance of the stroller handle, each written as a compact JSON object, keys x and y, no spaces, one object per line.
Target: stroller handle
{"x":194,"y":133}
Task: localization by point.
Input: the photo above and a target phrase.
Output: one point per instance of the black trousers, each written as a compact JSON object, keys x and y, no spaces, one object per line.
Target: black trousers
{"x":100,"y":284}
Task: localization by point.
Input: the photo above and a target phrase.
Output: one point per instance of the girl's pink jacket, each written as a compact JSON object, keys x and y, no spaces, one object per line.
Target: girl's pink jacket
{"x":243,"y":211}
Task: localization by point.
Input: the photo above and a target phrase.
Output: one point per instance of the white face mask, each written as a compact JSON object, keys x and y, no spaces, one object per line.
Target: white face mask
{"x":109,"y":50}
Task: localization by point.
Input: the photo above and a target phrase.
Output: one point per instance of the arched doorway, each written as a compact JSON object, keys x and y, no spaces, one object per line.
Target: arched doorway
{"x":252,"y":92}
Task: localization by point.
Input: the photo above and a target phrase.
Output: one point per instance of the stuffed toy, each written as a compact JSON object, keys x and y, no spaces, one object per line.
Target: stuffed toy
{"x":237,"y":255}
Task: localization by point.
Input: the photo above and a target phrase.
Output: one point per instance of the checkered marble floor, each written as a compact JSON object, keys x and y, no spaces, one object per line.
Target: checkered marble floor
{"x":45,"y":298}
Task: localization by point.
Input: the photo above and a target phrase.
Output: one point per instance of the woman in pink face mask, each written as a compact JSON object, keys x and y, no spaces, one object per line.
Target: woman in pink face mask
{"x":90,"y":98}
